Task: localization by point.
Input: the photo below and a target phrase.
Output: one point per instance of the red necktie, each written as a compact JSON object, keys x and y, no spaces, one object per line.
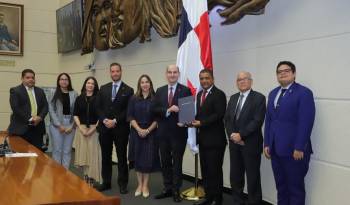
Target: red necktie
{"x":204,"y":95}
{"x":171,"y":96}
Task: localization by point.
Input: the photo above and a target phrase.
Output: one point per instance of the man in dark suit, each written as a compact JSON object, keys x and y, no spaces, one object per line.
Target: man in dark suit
{"x":244,"y":117}
{"x":211,"y":138}
{"x":172,"y":137}
{"x":288,"y":125}
{"x":112,"y":102}
{"x":29,"y":108}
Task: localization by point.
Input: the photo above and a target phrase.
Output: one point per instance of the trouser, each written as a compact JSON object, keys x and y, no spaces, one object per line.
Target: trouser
{"x":241,"y":163}
{"x":211,"y":160}
{"x":289,"y":177}
{"x":172,"y":149}
{"x":120,"y":142}
{"x":62,"y":143}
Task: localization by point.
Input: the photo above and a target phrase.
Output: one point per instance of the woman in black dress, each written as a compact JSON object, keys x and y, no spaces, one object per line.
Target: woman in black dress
{"x":144,"y":149}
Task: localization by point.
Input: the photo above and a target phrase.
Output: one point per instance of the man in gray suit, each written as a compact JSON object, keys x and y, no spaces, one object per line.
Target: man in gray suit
{"x":29,"y":108}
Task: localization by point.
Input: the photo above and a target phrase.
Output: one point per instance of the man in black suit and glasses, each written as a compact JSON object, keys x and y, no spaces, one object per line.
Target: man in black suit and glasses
{"x":172,"y":138}
{"x":29,"y":108}
{"x":112,"y":102}
{"x":211,"y":138}
{"x":243,"y":121}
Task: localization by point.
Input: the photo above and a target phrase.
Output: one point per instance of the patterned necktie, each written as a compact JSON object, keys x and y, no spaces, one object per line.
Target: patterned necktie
{"x":32,"y":102}
{"x":239,"y":106}
{"x":283,"y":90}
{"x":204,"y":95}
{"x":170,"y":97}
{"x":114,"y":91}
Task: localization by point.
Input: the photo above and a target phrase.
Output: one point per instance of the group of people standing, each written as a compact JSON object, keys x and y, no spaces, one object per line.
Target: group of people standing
{"x":148,"y":122}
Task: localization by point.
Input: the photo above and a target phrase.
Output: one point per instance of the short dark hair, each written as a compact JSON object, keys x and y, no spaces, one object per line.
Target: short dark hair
{"x":288,"y":63}
{"x":210,"y":72}
{"x":115,"y":64}
{"x":25,"y":71}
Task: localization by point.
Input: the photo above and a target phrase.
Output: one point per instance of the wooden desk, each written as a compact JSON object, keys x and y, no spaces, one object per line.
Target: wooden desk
{"x":41,"y":180}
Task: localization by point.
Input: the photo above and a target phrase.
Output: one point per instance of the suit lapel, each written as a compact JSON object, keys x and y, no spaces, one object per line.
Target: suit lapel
{"x":120,"y":91}
{"x":198,"y":102}
{"x":109,"y":91}
{"x":235,"y":101}
{"x":247,"y":103}
{"x":24,"y":91}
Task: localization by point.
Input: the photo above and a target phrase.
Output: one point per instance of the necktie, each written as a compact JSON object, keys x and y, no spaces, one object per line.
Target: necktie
{"x":171,"y":96}
{"x":283,"y":90}
{"x":239,"y":106}
{"x":114,"y":91}
{"x":32,"y":102}
{"x":204,"y":95}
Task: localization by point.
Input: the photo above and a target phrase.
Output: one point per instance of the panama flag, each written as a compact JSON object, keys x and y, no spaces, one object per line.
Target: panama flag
{"x":194,"y":52}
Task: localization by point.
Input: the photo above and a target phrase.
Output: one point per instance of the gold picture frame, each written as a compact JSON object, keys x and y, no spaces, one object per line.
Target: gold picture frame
{"x":11,"y":29}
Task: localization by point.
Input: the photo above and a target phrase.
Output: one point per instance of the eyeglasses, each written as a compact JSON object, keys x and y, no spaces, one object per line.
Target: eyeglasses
{"x":64,"y":79}
{"x":284,"y":71}
{"x":243,"y":79}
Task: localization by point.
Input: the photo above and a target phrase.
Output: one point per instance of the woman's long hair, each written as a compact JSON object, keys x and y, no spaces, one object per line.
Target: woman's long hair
{"x":96,"y":88}
{"x":58,"y":92}
{"x":139,"y":90}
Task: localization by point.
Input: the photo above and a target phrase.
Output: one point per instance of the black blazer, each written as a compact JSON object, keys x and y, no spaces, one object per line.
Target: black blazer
{"x":250,"y":120}
{"x":106,"y":108}
{"x":167,"y":126}
{"x":211,"y":133}
{"x":21,"y":110}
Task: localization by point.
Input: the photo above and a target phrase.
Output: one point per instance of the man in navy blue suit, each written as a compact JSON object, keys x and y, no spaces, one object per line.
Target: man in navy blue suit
{"x":288,"y":125}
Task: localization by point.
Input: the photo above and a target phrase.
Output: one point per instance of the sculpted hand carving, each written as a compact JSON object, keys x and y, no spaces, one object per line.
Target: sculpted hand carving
{"x":115,"y":23}
{"x":237,"y":9}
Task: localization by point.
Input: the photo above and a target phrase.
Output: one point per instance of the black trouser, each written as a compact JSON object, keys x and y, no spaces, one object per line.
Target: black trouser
{"x":120,"y":142}
{"x":34,"y":136}
{"x":243,"y":162}
{"x":211,"y":159}
{"x":172,"y":149}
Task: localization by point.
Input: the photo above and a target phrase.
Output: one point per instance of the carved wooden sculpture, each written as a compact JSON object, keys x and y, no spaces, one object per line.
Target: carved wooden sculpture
{"x":115,"y":23}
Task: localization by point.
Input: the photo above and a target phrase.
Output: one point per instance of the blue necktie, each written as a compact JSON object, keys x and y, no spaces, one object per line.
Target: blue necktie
{"x":114,"y":91}
{"x":283,"y":90}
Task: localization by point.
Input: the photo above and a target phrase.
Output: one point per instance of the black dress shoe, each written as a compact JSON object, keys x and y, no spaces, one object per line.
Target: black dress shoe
{"x":164,"y":194}
{"x":204,"y":202}
{"x":217,"y":202}
{"x":176,"y":196}
{"x":104,"y":187}
{"x":123,"y":190}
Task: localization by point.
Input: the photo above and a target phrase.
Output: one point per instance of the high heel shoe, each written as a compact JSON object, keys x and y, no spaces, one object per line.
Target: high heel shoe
{"x":145,"y":194}
{"x":138,"y":193}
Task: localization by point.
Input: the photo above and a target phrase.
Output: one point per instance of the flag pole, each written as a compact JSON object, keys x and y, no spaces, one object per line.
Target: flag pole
{"x":197,"y":192}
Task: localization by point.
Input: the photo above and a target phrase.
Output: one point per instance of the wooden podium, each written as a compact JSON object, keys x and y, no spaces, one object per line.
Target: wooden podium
{"x":41,"y":180}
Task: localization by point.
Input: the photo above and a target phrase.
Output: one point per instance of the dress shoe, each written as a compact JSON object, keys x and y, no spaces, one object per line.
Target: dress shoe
{"x":176,"y":196}
{"x":123,"y":190}
{"x":204,"y":202}
{"x":164,"y":194}
{"x":217,"y":202}
{"x":104,"y":187}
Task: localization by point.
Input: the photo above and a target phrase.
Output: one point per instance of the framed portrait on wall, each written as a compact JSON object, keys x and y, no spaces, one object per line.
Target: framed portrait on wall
{"x":11,"y":29}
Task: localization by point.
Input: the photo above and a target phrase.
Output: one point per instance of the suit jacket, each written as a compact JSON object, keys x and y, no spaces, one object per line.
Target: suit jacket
{"x":167,"y":125}
{"x":249,"y":122}
{"x":108,"y":109}
{"x":211,"y":133}
{"x":288,"y":127}
{"x":56,"y":109}
{"x":21,"y":109}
